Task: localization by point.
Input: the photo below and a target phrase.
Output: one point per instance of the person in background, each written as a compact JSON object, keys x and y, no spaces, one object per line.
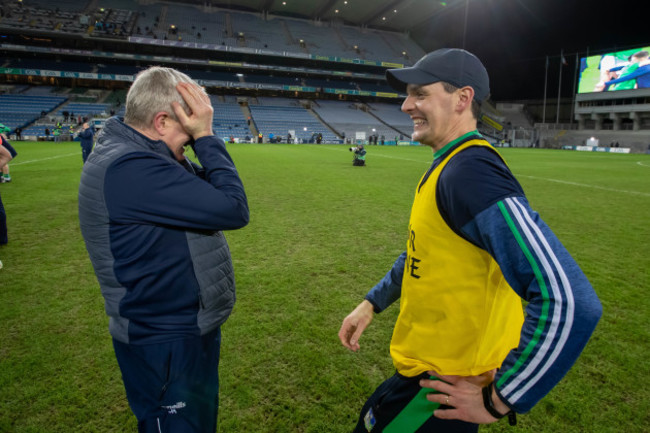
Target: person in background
{"x":57,"y":132}
{"x":5,"y":177}
{"x":464,"y":353}
{"x":5,"y":157}
{"x":153,"y":226}
{"x":359,"y":155}
{"x":86,"y":135}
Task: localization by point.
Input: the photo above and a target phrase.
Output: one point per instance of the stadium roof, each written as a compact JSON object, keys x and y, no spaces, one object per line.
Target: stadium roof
{"x":512,"y":37}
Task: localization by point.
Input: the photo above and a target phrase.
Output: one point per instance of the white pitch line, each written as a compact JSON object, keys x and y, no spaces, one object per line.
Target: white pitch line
{"x":42,"y":159}
{"x":548,"y":180}
{"x":642,"y":164}
{"x":405,"y":159}
{"x":386,"y":156}
{"x":542,"y":178}
{"x":645,"y":194}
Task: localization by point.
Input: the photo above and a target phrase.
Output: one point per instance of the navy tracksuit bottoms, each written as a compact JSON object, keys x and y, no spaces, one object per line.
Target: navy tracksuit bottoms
{"x":173,"y":386}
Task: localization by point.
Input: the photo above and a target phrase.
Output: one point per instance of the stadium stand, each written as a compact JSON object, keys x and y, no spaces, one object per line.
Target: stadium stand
{"x":249,"y":30}
{"x":114,"y":22}
{"x":210,"y":75}
{"x":367,"y":44}
{"x":189,"y":24}
{"x":405,"y":49}
{"x":148,"y":19}
{"x":229,"y":120}
{"x":391,"y":114}
{"x":276,"y":101}
{"x":40,"y":15}
{"x":280,"y":119}
{"x":84,"y":109}
{"x":272,"y":79}
{"x":316,"y":39}
{"x":330,"y":71}
{"x":18,"y":111}
{"x":331,"y":84}
{"x":35,"y":90}
{"x":110,"y":68}
{"x":375,"y":87}
{"x":350,"y":122}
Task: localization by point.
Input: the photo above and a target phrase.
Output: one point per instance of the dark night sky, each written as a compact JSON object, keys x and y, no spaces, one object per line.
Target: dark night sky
{"x":513,"y":38}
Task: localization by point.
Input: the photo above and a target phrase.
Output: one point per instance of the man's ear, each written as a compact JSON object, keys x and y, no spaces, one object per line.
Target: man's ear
{"x":161,"y":123}
{"x":465,"y":97}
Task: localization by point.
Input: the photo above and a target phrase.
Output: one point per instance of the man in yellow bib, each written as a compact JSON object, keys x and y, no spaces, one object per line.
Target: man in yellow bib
{"x":464,"y":353}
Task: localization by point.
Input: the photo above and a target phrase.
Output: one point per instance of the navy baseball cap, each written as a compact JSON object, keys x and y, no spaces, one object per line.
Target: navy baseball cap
{"x":451,"y":65}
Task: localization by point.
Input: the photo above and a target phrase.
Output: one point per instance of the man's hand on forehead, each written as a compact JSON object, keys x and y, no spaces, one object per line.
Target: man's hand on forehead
{"x":198,"y":122}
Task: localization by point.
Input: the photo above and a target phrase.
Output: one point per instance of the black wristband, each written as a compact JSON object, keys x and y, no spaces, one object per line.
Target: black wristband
{"x":489,"y":406}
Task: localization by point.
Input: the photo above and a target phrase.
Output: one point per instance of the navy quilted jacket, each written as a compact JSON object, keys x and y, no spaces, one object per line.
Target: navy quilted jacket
{"x":153,"y":231}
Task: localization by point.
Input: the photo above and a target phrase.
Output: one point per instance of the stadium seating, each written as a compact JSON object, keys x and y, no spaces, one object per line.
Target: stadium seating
{"x":64,"y":16}
{"x":272,"y":79}
{"x":85,"y":109}
{"x":214,"y":25}
{"x":125,"y":18}
{"x":190,"y":22}
{"x":35,"y":90}
{"x":229,"y":120}
{"x":331,"y":84}
{"x":147,"y":21}
{"x":347,"y":119}
{"x":17,"y":111}
{"x":392,"y":114}
{"x":279,"y":120}
{"x":269,"y":114}
{"x":110,"y":68}
{"x":258,"y":33}
{"x":115,"y":22}
{"x":277,"y":101}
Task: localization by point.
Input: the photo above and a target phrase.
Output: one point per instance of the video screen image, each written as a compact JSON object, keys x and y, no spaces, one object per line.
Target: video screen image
{"x":620,"y":70}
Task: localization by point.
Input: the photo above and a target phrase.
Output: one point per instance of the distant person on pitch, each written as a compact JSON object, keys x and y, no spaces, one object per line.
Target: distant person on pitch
{"x":5,"y":157}
{"x":475,"y":248}
{"x":359,"y":158}
{"x":86,"y":135}
{"x":152,"y":222}
{"x":5,"y":175}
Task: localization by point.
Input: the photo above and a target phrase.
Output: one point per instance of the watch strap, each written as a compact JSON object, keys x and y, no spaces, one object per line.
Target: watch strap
{"x":489,"y":406}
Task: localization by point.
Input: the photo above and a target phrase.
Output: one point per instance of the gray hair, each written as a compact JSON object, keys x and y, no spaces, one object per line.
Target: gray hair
{"x":153,"y":91}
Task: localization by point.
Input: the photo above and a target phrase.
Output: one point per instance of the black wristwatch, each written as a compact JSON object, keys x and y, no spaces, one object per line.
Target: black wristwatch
{"x":489,"y":406}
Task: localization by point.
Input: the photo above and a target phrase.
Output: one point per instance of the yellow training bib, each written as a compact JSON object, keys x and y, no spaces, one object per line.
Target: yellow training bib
{"x":458,"y":315}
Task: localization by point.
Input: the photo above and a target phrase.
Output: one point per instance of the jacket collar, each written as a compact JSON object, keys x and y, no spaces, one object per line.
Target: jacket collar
{"x":116,"y":129}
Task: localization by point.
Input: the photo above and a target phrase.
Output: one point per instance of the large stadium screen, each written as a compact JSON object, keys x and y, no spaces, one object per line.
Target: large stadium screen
{"x":620,"y":70}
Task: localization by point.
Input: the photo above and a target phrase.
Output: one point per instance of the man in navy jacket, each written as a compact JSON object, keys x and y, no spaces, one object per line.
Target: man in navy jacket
{"x":86,"y":140}
{"x":152,"y":222}
{"x":5,"y":157}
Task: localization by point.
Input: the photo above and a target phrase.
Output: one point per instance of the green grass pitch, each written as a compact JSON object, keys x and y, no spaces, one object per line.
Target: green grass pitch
{"x":322,"y":233}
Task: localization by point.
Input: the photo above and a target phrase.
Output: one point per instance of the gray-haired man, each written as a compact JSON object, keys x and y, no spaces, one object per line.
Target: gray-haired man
{"x":152,"y":222}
